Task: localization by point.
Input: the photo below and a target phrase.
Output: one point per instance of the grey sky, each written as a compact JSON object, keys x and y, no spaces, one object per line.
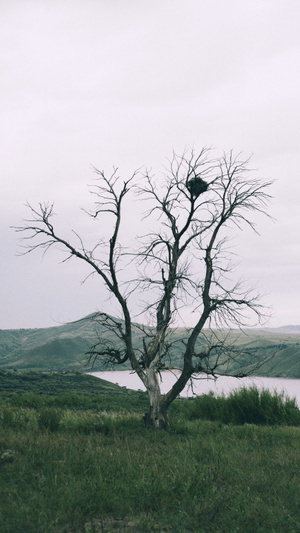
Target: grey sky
{"x":124,"y":83}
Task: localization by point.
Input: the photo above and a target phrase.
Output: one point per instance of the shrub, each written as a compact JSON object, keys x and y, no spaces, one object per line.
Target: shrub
{"x":246,"y":406}
{"x":11,"y":417}
{"x":7,"y":417}
{"x":49,"y":418}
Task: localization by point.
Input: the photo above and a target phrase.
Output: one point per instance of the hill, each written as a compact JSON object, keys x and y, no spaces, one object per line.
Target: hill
{"x":52,"y":383}
{"x":64,"y":347}
{"x":52,"y":349}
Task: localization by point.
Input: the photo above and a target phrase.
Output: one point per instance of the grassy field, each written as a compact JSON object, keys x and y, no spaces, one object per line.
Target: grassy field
{"x":77,"y":458}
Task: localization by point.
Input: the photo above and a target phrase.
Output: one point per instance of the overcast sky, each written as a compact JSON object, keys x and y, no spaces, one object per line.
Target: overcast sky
{"x":124,"y":82}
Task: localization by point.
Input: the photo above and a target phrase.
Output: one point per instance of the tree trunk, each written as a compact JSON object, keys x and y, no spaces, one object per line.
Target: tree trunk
{"x":156,"y":417}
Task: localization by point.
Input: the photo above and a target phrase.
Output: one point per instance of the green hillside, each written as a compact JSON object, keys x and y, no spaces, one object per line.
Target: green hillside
{"x":52,"y":383}
{"x":284,"y":347}
{"x":64,"y":347}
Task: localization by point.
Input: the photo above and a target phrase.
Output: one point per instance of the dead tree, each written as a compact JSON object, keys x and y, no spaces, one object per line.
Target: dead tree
{"x":184,"y":261}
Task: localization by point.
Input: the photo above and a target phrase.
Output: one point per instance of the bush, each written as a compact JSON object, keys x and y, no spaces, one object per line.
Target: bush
{"x":49,"y":418}
{"x":11,"y":417}
{"x":7,"y":418}
{"x":246,"y":406}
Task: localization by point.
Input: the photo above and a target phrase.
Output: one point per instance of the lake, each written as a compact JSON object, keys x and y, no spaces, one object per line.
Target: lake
{"x":203,"y":385}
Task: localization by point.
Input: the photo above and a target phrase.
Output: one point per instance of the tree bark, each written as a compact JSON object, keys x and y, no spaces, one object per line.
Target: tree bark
{"x":156,"y":417}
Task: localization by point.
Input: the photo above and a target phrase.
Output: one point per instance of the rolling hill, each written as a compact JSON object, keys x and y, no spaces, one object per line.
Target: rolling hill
{"x":64,"y":347}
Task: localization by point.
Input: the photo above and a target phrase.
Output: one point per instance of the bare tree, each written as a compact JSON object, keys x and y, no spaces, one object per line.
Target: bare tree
{"x":185,"y":261}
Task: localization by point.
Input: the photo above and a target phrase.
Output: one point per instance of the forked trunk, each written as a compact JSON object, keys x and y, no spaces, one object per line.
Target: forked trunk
{"x":156,"y":417}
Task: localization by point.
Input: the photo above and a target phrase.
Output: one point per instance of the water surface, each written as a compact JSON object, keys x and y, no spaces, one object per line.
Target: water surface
{"x":203,"y":385}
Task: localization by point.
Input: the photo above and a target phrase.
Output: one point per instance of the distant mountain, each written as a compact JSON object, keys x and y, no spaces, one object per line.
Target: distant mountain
{"x":64,"y":347}
{"x":55,"y":348}
{"x":284,"y":329}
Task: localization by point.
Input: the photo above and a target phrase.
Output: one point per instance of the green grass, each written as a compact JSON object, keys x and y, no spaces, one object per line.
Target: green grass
{"x":85,"y":463}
